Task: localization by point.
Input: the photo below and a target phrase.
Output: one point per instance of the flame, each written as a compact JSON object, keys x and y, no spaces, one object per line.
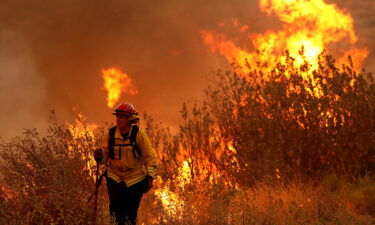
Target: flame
{"x":116,"y":82}
{"x":82,"y":129}
{"x":184,"y":176}
{"x":313,"y":25}
{"x":7,"y":193}
{"x":175,"y":202}
{"x":82,"y":132}
{"x":171,"y":202}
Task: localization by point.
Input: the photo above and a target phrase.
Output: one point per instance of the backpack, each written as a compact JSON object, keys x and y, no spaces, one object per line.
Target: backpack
{"x":133,"y":142}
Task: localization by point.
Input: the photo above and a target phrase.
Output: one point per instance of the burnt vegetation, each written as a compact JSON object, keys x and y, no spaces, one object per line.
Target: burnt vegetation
{"x":288,"y":145}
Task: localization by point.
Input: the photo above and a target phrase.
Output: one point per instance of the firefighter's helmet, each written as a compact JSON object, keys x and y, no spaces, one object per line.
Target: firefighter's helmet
{"x":126,"y":109}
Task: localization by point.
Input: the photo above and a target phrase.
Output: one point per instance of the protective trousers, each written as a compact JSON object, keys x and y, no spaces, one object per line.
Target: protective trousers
{"x":124,"y":201}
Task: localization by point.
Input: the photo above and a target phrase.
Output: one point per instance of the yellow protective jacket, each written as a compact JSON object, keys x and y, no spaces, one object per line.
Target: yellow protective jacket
{"x":129,"y":169}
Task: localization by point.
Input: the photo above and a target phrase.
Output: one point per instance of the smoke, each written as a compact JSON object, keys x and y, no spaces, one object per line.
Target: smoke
{"x":156,"y":42}
{"x":364,"y":24}
{"x":22,"y":90}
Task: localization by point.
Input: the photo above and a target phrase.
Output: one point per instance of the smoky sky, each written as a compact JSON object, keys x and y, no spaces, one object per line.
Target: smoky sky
{"x":52,"y":53}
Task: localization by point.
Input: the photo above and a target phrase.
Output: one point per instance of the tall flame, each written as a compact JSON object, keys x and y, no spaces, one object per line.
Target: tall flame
{"x":312,"y":24}
{"x":116,"y":82}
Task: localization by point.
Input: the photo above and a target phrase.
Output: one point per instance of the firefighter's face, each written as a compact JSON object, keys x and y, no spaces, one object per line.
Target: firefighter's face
{"x":122,"y":121}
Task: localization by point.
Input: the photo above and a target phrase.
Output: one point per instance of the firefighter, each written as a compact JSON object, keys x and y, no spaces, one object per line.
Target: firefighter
{"x":131,"y":161}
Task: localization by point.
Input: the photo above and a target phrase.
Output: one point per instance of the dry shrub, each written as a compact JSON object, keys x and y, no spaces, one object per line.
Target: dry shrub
{"x":289,"y":122}
{"x":279,"y":145}
{"x":47,"y":180}
{"x":282,"y":134}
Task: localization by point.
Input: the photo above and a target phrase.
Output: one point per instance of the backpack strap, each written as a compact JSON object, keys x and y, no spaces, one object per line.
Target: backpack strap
{"x":132,"y":139}
{"x":111,"y":142}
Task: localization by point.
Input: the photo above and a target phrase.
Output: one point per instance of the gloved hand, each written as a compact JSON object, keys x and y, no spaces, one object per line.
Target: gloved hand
{"x":98,"y":155}
{"x":149,"y":183}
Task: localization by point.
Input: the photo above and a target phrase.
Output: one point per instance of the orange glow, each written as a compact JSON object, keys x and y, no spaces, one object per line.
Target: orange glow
{"x":81,"y":129}
{"x":116,"y":82}
{"x":83,"y":133}
{"x":7,"y":193}
{"x":172,"y":204}
{"x":308,"y":28}
{"x":184,"y":176}
{"x":311,"y":24}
